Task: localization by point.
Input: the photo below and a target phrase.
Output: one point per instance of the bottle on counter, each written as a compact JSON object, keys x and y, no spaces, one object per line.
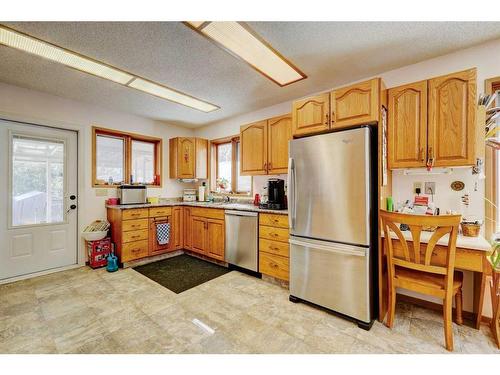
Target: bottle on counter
{"x":201,"y":192}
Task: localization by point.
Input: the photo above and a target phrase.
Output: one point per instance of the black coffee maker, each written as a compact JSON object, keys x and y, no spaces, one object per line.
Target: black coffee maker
{"x":276,"y":194}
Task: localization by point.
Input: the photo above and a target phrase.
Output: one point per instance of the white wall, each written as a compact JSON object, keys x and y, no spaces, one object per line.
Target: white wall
{"x":38,"y":107}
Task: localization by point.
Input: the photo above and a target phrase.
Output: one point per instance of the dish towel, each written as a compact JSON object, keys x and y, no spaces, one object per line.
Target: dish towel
{"x":163,"y":233}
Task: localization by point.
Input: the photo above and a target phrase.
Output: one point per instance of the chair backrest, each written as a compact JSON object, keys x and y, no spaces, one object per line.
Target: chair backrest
{"x":415,"y":255}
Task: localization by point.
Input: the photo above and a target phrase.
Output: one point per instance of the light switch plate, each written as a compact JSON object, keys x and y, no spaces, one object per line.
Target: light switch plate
{"x":101,"y":192}
{"x":430,"y":188}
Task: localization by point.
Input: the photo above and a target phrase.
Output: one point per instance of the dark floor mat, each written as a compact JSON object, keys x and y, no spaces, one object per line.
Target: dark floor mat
{"x":182,"y":272}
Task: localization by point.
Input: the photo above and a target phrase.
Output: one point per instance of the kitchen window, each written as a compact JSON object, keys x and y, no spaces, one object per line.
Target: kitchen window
{"x":227,"y":176}
{"x":120,"y":157}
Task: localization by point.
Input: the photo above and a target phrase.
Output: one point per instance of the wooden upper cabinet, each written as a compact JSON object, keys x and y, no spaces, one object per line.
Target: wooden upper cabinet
{"x":407,"y":126}
{"x":311,"y":115}
{"x":188,"y":157}
{"x":452,"y":119}
{"x":355,"y":104}
{"x":215,"y":239}
{"x":279,"y":134}
{"x":253,"y":148}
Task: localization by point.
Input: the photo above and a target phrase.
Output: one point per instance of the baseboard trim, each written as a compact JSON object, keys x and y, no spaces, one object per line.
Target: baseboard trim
{"x":437,"y":307}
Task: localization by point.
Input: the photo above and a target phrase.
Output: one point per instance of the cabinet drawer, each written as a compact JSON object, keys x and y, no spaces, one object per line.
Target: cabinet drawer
{"x":211,"y":213}
{"x":134,"y":250}
{"x":274,"y":265}
{"x":136,"y":213}
{"x":274,"y":220}
{"x":135,"y":235}
{"x":160,"y":211}
{"x":274,"y":247}
{"x":272,"y":233}
{"x":130,"y":225}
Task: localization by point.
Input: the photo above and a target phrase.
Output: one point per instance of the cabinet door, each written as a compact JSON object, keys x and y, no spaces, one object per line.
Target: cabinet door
{"x":407,"y":127}
{"x":311,"y":115}
{"x":188,"y":233}
{"x":452,"y":119}
{"x":279,"y":134}
{"x":177,"y":228}
{"x":356,"y":104}
{"x":198,"y":234}
{"x":201,"y":158}
{"x":186,"y":158}
{"x":253,"y":148}
{"x":215,"y":239}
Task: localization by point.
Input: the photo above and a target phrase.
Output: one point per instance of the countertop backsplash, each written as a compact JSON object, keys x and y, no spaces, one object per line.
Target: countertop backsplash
{"x":445,"y":198}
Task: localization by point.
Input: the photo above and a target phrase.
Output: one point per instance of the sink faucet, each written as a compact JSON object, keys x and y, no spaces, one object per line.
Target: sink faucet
{"x":227,"y":199}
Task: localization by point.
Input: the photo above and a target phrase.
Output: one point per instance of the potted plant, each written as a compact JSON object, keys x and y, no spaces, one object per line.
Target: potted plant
{"x":222,"y":184}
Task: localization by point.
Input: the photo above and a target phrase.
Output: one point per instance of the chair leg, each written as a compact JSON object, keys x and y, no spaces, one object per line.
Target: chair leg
{"x":448,"y":328}
{"x":459,"y":306}
{"x":391,"y":307}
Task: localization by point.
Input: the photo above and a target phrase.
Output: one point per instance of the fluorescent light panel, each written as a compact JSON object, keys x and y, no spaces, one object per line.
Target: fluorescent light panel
{"x":20,"y":41}
{"x":245,"y":44}
{"x":172,"y":95}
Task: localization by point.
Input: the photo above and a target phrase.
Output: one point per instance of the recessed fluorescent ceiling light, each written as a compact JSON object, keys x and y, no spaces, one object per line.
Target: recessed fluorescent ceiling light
{"x":172,"y":95}
{"x":241,"y":41}
{"x":26,"y":43}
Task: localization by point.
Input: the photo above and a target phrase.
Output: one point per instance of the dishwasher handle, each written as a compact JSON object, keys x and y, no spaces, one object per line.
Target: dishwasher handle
{"x":240,"y":213}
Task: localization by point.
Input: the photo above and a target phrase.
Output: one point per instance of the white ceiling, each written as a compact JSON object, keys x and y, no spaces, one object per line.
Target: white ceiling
{"x":330,"y":53}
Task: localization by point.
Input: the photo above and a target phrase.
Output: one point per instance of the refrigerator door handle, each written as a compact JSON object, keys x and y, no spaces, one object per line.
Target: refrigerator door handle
{"x":337,"y":248}
{"x":291,"y":190}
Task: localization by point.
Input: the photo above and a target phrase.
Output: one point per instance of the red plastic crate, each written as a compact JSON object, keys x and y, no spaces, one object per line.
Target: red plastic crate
{"x":98,"y":251}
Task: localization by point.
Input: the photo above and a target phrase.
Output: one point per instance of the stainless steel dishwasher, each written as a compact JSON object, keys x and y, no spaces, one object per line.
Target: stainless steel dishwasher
{"x":242,"y":239}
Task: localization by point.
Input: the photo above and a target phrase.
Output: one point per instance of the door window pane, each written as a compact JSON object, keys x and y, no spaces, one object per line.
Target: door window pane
{"x":110,"y":159}
{"x":224,"y":159}
{"x":143,"y":162}
{"x":37,"y":181}
{"x":244,"y":183}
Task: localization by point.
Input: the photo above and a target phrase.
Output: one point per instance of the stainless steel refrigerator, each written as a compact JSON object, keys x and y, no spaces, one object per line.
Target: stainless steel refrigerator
{"x":331,"y":179}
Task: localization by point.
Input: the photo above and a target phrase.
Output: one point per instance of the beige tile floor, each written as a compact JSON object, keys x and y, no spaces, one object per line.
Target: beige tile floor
{"x":92,"y":311}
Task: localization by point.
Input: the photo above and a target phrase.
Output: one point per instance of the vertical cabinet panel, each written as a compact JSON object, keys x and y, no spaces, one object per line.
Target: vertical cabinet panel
{"x":356,"y":104}
{"x":177,"y":228}
{"x":311,"y":115}
{"x":198,"y":234}
{"x":186,"y":158}
{"x":451,"y":130}
{"x":201,"y":158}
{"x":215,"y":239}
{"x":253,"y":148}
{"x":407,"y":127}
{"x":187,"y":228}
{"x":280,"y":133}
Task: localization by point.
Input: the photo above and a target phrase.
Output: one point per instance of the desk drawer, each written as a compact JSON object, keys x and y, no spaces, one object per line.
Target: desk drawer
{"x":136,"y":213}
{"x":274,"y":265}
{"x":274,"y":220}
{"x":136,"y":235}
{"x":132,"y":225}
{"x":272,"y":233}
{"x":134,"y":250}
{"x":274,"y":247}
{"x":160,"y":211}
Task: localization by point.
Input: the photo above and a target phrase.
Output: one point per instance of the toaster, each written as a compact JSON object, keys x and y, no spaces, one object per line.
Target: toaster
{"x":132,"y":194}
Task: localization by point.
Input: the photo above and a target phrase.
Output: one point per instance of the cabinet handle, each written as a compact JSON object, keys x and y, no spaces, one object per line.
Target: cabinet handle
{"x":270,"y":166}
{"x":333,"y":117}
{"x":265,"y":166}
{"x":430,"y":160}
{"x":326,"y":118}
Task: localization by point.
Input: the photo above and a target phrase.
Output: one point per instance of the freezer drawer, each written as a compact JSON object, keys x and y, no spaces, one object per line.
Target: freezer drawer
{"x":332,"y":275}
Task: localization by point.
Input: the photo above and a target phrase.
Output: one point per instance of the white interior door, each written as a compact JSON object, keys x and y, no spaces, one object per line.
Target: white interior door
{"x":38,"y":199}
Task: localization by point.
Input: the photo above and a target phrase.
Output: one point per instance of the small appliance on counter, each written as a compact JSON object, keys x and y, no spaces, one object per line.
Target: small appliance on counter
{"x":276,"y":199}
{"x":132,"y":194}
{"x":189,"y":195}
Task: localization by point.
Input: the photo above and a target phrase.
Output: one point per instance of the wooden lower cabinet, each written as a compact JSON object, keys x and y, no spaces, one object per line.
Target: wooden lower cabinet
{"x":273,"y":246}
{"x":198,"y":229}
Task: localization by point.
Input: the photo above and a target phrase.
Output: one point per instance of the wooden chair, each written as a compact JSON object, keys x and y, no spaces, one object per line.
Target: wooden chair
{"x":495,"y":301}
{"x":411,"y":266}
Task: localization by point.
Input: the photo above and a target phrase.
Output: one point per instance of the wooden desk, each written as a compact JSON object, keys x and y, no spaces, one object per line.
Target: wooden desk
{"x":470,"y":256}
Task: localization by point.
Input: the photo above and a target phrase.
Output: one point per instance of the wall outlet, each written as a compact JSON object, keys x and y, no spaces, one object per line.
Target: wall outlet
{"x":417,"y":185}
{"x":430,"y":188}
